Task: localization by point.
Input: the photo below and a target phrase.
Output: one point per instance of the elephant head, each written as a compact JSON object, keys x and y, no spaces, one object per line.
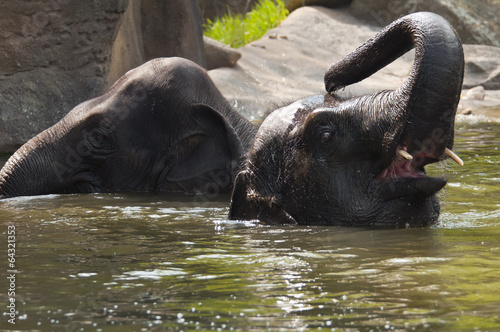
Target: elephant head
{"x":360,"y":160}
{"x":162,"y":127}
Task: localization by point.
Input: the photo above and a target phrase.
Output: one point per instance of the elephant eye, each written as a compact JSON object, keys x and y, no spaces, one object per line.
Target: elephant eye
{"x":326,"y":136}
{"x":326,"y":133}
{"x":98,"y":138}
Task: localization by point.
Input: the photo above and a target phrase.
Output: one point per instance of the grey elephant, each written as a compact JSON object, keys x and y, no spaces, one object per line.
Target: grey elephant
{"x":361,"y":161}
{"x":162,"y":127}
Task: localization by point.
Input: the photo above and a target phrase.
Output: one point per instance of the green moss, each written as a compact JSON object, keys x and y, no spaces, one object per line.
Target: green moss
{"x":238,"y":30}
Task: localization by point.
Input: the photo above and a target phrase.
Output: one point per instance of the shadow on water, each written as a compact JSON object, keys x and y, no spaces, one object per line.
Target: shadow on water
{"x":150,"y":262}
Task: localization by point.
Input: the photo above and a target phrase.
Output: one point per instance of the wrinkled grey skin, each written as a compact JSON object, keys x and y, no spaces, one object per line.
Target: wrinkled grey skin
{"x":332,"y":160}
{"x":162,"y":127}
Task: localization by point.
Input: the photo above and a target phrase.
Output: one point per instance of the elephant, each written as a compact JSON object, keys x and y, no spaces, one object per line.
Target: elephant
{"x":360,"y":160}
{"x":162,"y":127}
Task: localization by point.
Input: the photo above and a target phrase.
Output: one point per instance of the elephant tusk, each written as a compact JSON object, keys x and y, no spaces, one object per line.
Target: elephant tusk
{"x":405,"y":154}
{"x":453,"y":156}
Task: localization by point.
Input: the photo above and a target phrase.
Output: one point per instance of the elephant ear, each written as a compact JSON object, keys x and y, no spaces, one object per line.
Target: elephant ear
{"x":209,"y":155}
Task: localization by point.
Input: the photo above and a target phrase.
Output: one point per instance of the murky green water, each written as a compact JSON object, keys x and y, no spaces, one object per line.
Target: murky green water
{"x":147,"y":262}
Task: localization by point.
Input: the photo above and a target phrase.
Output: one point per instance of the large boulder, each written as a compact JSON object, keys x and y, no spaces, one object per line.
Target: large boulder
{"x":56,"y":54}
{"x":476,"y":21}
{"x":219,"y":55}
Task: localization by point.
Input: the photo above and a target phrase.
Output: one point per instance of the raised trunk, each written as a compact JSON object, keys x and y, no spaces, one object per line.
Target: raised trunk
{"x":431,"y":93}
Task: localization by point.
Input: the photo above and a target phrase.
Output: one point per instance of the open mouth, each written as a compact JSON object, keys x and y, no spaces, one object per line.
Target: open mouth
{"x":406,"y":177}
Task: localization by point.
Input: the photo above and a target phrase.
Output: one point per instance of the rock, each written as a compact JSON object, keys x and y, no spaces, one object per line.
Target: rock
{"x":472,"y":103}
{"x":291,"y":5}
{"x":476,"y":21}
{"x":55,"y":54}
{"x":482,"y":67}
{"x":476,"y":93}
{"x":219,"y":55}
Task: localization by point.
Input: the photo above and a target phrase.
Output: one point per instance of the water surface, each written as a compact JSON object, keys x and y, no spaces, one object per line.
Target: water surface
{"x":150,"y":262}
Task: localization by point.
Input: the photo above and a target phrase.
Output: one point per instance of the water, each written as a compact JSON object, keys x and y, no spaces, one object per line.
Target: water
{"x":151,"y":262}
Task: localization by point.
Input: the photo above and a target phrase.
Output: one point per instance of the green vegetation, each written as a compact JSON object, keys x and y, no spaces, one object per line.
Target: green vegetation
{"x":238,"y":30}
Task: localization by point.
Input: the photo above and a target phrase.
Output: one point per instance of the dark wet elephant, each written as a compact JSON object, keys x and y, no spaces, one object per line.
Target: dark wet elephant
{"x":162,"y":127}
{"x":360,"y":161}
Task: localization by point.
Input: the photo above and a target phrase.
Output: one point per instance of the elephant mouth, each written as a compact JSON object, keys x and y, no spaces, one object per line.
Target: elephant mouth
{"x":405,"y":176}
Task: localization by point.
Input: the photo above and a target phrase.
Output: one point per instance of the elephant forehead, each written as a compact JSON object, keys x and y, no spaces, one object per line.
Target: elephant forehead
{"x":286,"y":120}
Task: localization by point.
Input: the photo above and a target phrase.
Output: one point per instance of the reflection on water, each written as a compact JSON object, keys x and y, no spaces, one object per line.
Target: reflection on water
{"x":151,"y":262}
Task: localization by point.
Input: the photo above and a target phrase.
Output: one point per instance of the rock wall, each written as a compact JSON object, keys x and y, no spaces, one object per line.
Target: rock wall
{"x":55,"y":54}
{"x":128,"y":50}
{"x":476,"y":21}
{"x":172,"y":28}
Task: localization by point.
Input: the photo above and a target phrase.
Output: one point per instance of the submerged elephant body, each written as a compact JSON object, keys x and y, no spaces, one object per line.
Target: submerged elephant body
{"x":325,"y":159}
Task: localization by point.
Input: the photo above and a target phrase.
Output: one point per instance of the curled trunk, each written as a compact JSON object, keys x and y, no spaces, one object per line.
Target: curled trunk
{"x":430,"y":95}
